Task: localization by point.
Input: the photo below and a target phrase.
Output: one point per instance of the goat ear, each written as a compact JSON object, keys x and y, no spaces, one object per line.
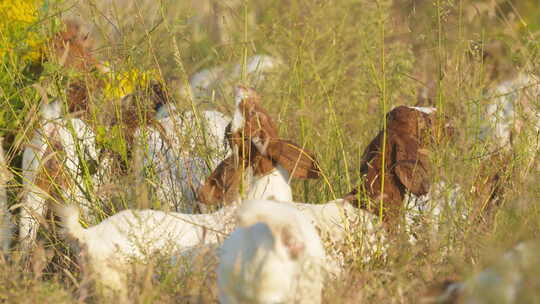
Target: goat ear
{"x":294,"y":246}
{"x":159,"y":94}
{"x":298,"y":161}
{"x":220,"y":184}
{"x":263,"y":165}
{"x":261,"y":128}
{"x":411,"y":165}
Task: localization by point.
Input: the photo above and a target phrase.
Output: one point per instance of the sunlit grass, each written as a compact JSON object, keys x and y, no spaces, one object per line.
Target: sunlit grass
{"x":345,"y":65}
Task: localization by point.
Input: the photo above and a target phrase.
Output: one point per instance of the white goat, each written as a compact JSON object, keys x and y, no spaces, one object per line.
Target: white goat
{"x":274,"y":256}
{"x":183,"y":153}
{"x":513,"y":111}
{"x":507,"y":281}
{"x":213,"y":82}
{"x":273,"y":185}
{"x":339,"y":225}
{"x":108,"y":248}
{"x":76,"y":142}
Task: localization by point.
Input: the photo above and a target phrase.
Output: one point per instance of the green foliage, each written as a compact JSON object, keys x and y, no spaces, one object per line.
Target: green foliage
{"x":21,"y":45}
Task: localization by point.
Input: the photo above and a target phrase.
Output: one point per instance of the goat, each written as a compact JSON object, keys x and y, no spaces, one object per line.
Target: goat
{"x":72,"y":138}
{"x":446,"y":201}
{"x":106,"y":250}
{"x":134,"y":235}
{"x":183,"y":152}
{"x":407,"y":181}
{"x":138,"y":110}
{"x":335,"y":221}
{"x":214,"y":81}
{"x":71,"y":48}
{"x":258,"y":155}
{"x":406,"y":166}
{"x":507,"y":281}
{"x":273,"y":256}
{"x":511,"y":111}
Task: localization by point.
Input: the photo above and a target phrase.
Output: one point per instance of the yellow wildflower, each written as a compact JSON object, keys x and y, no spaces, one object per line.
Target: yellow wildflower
{"x":122,"y":83}
{"x":16,"y":18}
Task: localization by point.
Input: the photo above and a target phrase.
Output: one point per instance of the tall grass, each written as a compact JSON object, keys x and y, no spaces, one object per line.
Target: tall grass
{"x":346,"y":63}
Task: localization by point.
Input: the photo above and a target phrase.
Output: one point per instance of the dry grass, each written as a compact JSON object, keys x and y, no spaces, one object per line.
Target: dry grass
{"x":345,"y":64}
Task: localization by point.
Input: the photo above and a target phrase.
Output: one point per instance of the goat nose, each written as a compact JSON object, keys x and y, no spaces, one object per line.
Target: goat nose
{"x":241,"y":89}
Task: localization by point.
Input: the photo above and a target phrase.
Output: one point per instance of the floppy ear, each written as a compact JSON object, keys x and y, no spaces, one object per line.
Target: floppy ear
{"x":411,"y":165}
{"x":262,"y":164}
{"x":222,"y":184}
{"x":298,"y":161}
{"x":77,"y":97}
{"x":158,"y":94}
{"x":260,"y":128}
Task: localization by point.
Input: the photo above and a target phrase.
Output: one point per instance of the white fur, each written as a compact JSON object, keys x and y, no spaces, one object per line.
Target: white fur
{"x":504,"y":282}
{"x":256,"y":66}
{"x":336,"y":221}
{"x":211,"y":82}
{"x":186,"y":156}
{"x":513,"y":104}
{"x":439,"y":215}
{"x":203,"y":80}
{"x":427,"y":110}
{"x":443,"y":202}
{"x":71,"y":133}
{"x":238,"y":118}
{"x":274,"y":185}
{"x":257,"y":264}
{"x":135,"y":235}
{"x":334,"y":218}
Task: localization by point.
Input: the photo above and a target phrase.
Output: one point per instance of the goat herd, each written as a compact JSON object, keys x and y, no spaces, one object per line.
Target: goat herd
{"x":266,"y":248}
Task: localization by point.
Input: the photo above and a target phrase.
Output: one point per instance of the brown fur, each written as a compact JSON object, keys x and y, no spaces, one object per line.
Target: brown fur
{"x":298,"y":161}
{"x":258,"y":124}
{"x":139,"y":109}
{"x":72,"y":48}
{"x":77,"y":97}
{"x":409,"y":135}
{"x":406,"y":166}
{"x":441,"y":293}
{"x":261,"y":129}
{"x":223,"y":184}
